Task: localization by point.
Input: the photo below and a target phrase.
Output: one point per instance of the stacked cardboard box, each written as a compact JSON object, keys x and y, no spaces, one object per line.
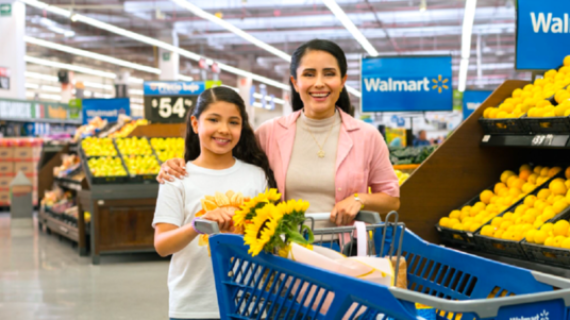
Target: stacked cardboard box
{"x":18,"y":154}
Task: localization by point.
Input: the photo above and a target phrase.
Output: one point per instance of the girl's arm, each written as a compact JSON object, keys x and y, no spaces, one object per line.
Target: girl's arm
{"x":169,"y":238}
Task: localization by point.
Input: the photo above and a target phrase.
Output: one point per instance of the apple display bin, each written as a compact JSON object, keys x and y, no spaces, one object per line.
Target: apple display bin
{"x":436,"y":277}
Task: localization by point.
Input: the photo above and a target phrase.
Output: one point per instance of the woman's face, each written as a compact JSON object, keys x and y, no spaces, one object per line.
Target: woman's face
{"x":218,"y":128}
{"x":319,"y":83}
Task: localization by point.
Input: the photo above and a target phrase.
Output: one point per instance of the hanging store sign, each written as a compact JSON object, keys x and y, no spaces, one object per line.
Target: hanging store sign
{"x":17,"y":110}
{"x":169,"y":101}
{"x":543,"y":29}
{"x":106,"y":109}
{"x":472,"y":99}
{"x":5,"y":9}
{"x":412,"y":83}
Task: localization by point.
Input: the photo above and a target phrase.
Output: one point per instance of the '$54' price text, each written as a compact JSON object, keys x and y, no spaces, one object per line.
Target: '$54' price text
{"x":169,"y":106}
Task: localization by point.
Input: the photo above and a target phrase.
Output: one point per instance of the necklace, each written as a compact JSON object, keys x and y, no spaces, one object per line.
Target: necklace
{"x":321,"y":152}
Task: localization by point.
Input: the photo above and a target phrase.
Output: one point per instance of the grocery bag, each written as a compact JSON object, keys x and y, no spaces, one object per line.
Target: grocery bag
{"x":373,"y":269}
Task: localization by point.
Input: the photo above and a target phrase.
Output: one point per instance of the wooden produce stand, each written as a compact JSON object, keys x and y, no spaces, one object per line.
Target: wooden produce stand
{"x":466,"y":163}
{"x":122,"y":213}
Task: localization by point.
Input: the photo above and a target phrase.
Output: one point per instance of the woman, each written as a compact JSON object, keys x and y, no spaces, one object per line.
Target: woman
{"x":320,"y":153}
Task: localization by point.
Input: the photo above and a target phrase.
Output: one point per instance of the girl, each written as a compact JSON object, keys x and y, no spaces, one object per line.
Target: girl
{"x":224,"y":165}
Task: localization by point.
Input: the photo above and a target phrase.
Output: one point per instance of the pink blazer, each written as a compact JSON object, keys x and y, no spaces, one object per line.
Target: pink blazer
{"x":362,"y":159}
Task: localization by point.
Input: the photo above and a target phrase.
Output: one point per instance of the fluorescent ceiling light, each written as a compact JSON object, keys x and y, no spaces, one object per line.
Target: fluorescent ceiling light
{"x":136,"y":92}
{"x":97,"y":56}
{"x":153,"y":42}
{"x":32,"y":85}
{"x":136,"y":107}
{"x":341,"y":15}
{"x":39,"y":76}
{"x":75,"y":68}
{"x":468,"y":18}
{"x":50,"y":89}
{"x":230,"y":27}
{"x":91,"y":55}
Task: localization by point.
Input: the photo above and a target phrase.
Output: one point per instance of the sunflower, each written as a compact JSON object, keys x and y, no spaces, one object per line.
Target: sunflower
{"x":272,"y":195}
{"x":291,"y":206}
{"x":262,"y":228}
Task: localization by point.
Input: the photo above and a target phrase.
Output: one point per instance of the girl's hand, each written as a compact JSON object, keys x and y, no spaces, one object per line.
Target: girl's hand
{"x":173,"y":167}
{"x":223,"y":216}
{"x":345,"y":211}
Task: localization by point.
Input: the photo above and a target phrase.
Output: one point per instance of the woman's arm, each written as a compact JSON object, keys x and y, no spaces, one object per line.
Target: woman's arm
{"x":344,"y":211}
{"x":169,"y":238}
{"x":171,"y":168}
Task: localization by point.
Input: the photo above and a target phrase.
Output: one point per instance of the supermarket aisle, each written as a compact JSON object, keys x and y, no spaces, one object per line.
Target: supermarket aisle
{"x":43,"y":278}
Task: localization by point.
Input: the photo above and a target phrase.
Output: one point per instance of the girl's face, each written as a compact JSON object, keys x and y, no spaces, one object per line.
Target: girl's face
{"x":319,"y":83}
{"x":218,"y":128}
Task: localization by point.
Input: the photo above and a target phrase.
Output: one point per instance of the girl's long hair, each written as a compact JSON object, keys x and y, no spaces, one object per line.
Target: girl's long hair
{"x":246,"y":150}
{"x":343,"y":101}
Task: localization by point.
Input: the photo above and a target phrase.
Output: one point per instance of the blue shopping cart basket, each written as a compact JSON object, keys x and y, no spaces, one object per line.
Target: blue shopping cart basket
{"x":456,"y":284}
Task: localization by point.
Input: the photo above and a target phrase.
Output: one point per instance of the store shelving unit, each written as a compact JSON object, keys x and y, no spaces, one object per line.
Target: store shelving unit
{"x":469,"y":161}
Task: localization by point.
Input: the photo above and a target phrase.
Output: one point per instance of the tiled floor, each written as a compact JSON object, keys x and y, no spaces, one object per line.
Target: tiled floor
{"x":42,"y":277}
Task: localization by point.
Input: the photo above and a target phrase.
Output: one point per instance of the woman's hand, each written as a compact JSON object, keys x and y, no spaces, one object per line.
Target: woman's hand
{"x":345,"y":211}
{"x":223,"y":216}
{"x":171,"y":168}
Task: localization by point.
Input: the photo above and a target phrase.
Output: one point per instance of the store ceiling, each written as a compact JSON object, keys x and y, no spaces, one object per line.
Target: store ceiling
{"x":392,"y":26}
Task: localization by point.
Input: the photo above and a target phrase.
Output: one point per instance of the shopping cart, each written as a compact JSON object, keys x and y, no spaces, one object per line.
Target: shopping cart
{"x":456,"y":284}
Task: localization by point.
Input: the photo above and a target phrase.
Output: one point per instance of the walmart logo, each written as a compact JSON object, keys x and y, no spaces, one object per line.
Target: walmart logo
{"x":390,"y":85}
{"x":440,"y":84}
{"x":542,"y":316}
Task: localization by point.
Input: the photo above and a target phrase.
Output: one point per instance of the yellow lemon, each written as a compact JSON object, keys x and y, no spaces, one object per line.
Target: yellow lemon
{"x":525,"y":167}
{"x":521,"y":209}
{"x":508,"y":216}
{"x":540,"y":205}
{"x":452,"y":222}
{"x":496,"y":222}
{"x":466,"y":209}
{"x":544,"y":172}
{"x":458,"y":227}
{"x":537,"y":170}
{"x":524,"y":174}
{"x":488,"y":231}
{"x":455,"y":214}
{"x":532,"y":178}
{"x":549,"y":242}
{"x":529,"y":200}
{"x":485,"y":196}
{"x":538,"y":223}
{"x":566,"y":61}
{"x":505,"y":176}
{"x":532,"y":211}
{"x":528,"y":187}
{"x":547,"y":214}
{"x":547,"y":227}
{"x":558,"y":187}
{"x":540,"y":236}
{"x":559,"y":206}
{"x":561,"y":228}
{"x":505,"y":224}
{"x":565,"y":244}
{"x":499,"y":186}
{"x":530,"y":236}
{"x":558,"y":240}
{"x":543,"y":194}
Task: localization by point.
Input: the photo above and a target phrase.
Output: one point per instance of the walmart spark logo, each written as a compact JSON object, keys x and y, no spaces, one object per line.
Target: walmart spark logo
{"x":440,"y":84}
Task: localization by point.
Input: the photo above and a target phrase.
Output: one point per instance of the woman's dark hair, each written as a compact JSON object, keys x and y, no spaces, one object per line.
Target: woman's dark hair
{"x":246,"y":149}
{"x":343,"y":101}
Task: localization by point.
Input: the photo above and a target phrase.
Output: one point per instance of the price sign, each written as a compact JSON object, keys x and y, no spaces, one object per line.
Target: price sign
{"x":169,"y":101}
{"x":168,"y":109}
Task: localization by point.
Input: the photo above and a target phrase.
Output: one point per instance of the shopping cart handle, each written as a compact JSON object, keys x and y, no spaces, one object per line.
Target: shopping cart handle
{"x":364,"y":216}
{"x":207,"y":226}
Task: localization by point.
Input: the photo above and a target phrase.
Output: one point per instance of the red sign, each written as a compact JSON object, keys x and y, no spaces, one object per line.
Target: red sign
{"x":202,"y":64}
{"x":215,"y":68}
{"x":4,"y":72}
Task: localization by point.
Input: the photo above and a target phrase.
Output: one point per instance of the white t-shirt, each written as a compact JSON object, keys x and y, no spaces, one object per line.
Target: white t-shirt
{"x":190,"y":277}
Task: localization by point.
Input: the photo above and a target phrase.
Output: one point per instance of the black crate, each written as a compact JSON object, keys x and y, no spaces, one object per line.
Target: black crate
{"x":504,"y":247}
{"x":503,"y":126}
{"x":549,"y":255}
{"x":457,"y":238}
{"x":551,"y":125}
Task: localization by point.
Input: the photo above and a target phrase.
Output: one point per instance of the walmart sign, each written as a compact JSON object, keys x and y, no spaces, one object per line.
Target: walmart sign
{"x":543,"y":34}
{"x":418,"y":83}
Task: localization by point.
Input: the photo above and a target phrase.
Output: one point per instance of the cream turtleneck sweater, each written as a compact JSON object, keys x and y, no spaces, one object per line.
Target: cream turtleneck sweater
{"x":310,"y":177}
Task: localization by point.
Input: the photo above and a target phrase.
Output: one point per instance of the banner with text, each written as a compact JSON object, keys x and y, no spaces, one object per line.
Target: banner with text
{"x":543,"y":34}
{"x":169,"y":101}
{"x":106,"y":109}
{"x":415,"y":83}
{"x":472,"y":99}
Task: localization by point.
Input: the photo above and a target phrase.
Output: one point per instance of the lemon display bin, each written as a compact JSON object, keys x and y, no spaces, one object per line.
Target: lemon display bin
{"x":468,"y":162}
